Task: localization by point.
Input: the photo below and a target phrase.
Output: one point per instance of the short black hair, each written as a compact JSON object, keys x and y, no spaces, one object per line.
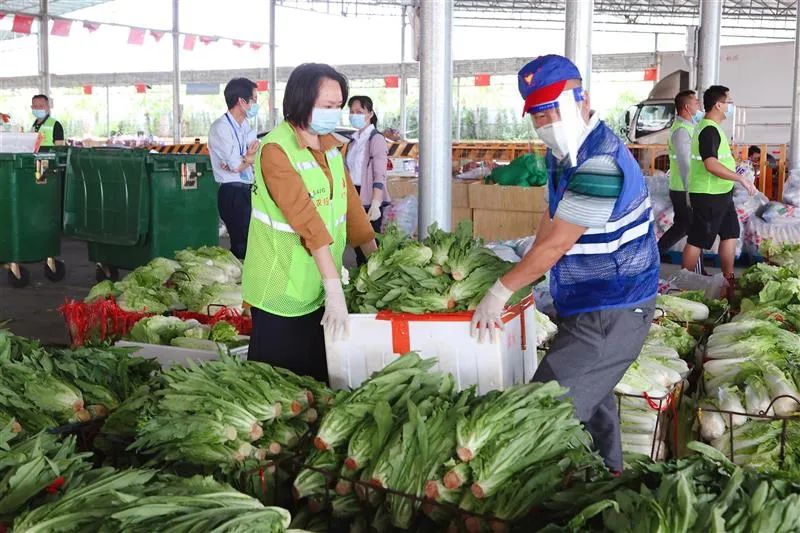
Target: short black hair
{"x":682,"y":99}
{"x":713,"y":95}
{"x":302,"y":90}
{"x":46,"y":99}
{"x":753,"y":150}
{"x":366,"y":103}
{"x":238,"y":88}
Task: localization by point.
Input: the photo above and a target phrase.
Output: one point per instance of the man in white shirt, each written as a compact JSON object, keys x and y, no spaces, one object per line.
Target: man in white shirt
{"x":232,"y":145}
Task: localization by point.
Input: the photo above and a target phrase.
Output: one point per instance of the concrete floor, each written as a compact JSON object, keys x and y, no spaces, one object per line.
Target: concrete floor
{"x":33,"y":310}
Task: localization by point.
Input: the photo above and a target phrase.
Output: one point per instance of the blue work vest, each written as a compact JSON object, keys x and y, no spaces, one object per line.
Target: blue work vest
{"x":616,"y":266}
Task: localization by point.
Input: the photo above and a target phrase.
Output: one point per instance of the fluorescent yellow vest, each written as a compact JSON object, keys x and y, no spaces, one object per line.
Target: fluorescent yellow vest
{"x":675,"y":181}
{"x":701,"y":181}
{"x":280,"y":276}
{"x":46,"y":129}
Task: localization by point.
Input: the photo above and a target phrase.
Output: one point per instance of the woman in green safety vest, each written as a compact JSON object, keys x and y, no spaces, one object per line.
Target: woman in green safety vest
{"x":712,"y":174}
{"x":305,"y":211}
{"x":51,"y":130}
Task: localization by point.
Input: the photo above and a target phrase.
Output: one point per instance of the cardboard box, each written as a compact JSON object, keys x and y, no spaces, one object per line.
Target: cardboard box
{"x":499,"y":198}
{"x":461,"y":193}
{"x":400,"y":187}
{"x":502,"y":225}
{"x":461,"y":214}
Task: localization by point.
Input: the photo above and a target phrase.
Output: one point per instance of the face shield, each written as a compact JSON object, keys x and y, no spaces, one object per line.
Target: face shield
{"x":565,"y":136}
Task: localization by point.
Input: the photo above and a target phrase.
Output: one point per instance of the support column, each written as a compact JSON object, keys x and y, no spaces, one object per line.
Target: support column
{"x":708,"y":45}
{"x":273,"y":69}
{"x":176,"y":73}
{"x":44,"y":46}
{"x":403,"y":80}
{"x":578,"y":37}
{"x":794,"y":138}
{"x":435,"y":115}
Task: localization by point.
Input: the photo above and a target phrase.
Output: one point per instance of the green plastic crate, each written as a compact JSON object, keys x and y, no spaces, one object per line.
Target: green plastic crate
{"x":30,"y":191}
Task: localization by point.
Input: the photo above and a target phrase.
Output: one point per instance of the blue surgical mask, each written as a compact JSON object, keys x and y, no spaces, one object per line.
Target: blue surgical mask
{"x":698,"y":116}
{"x":358,"y":121}
{"x":324,"y":121}
{"x":39,"y":113}
{"x":252,"y":111}
{"x":729,"y":111}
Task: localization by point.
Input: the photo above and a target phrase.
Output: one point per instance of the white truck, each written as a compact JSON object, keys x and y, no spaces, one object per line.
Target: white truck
{"x":760,"y":77}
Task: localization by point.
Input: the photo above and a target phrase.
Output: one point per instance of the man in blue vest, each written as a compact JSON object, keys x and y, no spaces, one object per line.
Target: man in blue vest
{"x":598,"y":243}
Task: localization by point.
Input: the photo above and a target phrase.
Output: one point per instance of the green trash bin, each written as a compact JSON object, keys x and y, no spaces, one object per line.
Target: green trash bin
{"x":30,"y":229}
{"x":132,"y":206}
{"x":61,"y":153}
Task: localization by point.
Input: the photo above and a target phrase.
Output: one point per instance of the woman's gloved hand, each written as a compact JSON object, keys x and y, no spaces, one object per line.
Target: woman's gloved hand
{"x":374,"y":211}
{"x":336,"y":320}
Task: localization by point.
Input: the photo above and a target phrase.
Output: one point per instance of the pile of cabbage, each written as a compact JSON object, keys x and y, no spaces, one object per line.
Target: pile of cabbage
{"x":195,"y":280}
{"x":170,"y":330}
{"x":752,"y":371}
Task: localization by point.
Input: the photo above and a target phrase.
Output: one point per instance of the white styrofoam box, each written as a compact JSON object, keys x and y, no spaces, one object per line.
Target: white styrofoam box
{"x":18,"y":143}
{"x":490,"y":366}
{"x":173,"y":355}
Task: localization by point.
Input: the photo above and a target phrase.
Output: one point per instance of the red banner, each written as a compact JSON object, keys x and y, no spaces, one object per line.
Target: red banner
{"x":91,"y":26}
{"x":136,"y":36}
{"x":262,"y":86}
{"x":22,"y":24}
{"x":391,"y":82}
{"x":255,"y":46}
{"x":483,"y":80}
{"x":61,"y":27}
{"x":2,"y":15}
{"x":189,"y":41}
{"x":207,"y":40}
{"x":141,"y":88}
{"x":651,"y":74}
{"x":157,"y":35}
{"x":87,"y":89}
{"x":239,"y":44}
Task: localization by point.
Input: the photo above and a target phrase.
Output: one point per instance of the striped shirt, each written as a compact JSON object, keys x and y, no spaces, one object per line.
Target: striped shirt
{"x":593,"y":190}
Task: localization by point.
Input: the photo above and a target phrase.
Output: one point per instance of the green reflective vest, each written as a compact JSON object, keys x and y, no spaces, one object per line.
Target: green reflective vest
{"x":675,"y":181}
{"x":46,"y":129}
{"x":280,"y":275}
{"x":701,"y":181}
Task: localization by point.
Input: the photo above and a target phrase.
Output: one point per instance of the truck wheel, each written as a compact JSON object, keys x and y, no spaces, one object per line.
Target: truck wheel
{"x":57,"y":274}
{"x":21,"y":281}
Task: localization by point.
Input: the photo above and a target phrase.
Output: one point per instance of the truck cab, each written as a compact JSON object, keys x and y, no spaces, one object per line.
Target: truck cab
{"x":649,"y":121}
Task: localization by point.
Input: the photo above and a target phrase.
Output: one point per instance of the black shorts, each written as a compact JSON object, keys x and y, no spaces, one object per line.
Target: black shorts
{"x":712,"y":215}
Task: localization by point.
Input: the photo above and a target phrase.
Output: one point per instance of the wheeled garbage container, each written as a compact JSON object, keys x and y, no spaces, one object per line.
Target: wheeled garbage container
{"x":30,"y":215}
{"x":132,"y":206}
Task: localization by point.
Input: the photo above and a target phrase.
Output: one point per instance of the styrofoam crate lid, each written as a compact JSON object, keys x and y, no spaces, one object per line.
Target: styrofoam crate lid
{"x":171,"y":355}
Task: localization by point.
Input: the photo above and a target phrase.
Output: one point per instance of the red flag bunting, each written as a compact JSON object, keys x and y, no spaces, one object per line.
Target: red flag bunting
{"x":157,"y":35}
{"x":61,"y":27}
{"x":651,"y":74}
{"x":391,"y":82}
{"x":262,"y":86}
{"x":239,"y":44}
{"x":22,"y":24}
{"x":2,"y":15}
{"x":136,"y":36}
{"x":483,"y":80}
{"x":188,"y":42}
{"x":207,"y":40}
{"x":141,"y":88}
{"x":87,"y":89}
{"x":256,"y":46}
{"x":91,"y":26}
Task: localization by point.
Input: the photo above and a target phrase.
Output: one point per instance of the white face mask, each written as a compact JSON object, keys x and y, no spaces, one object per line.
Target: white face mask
{"x":555,"y":136}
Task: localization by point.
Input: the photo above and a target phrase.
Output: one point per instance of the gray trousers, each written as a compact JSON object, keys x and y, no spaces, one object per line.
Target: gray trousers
{"x":589,"y":355}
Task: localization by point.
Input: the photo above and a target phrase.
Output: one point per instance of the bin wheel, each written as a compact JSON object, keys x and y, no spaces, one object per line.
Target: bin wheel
{"x":21,"y":281}
{"x":57,"y":274}
{"x":104,"y":272}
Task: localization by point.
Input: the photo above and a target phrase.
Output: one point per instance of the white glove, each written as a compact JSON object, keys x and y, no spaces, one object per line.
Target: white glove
{"x":336,"y":320}
{"x":488,"y":315}
{"x":374,"y":211}
{"x":749,"y":187}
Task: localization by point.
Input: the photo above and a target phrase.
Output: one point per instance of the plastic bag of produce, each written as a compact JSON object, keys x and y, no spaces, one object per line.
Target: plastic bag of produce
{"x":778,"y":213}
{"x":403,"y":213}
{"x":791,"y":191}
{"x":689,"y":281}
{"x":528,"y":170}
{"x":757,"y":230}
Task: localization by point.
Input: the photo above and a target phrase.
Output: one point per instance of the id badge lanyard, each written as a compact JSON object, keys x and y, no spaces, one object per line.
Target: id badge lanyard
{"x":245,"y":174}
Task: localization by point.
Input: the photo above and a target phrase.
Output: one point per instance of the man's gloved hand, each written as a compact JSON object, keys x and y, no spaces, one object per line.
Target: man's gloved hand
{"x":488,"y":315}
{"x":374,"y":211}
{"x":749,"y":187}
{"x":336,"y":320}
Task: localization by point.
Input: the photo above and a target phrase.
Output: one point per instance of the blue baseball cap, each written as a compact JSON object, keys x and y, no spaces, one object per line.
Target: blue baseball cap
{"x":544,"y":78}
